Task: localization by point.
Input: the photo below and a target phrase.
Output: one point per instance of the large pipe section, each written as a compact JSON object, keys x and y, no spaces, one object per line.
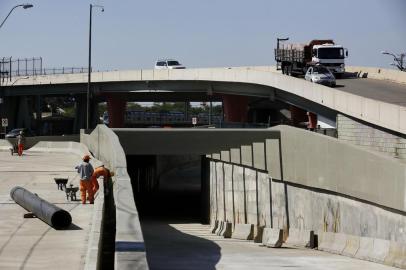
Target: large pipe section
{"x":47,"y":212}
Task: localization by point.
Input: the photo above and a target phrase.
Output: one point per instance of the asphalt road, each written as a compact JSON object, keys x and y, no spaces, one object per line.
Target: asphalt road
{"x":386,"y":91}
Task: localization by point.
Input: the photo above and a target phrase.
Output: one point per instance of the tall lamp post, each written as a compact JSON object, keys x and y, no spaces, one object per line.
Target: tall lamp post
{"x":278,"y":40}
{"x":89,"y":71}
{"x":399,"y":60}
{"x":25,"y":6}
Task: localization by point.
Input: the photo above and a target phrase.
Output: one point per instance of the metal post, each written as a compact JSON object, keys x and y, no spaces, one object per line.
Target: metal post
{"x":89,"y":69}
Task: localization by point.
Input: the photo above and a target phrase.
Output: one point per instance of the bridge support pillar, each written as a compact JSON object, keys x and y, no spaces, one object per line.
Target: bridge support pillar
{"x":300,"y":116}
{"x":312,"y":121}
{"x":235,"y":108}
{"x":80,"y":113}
{"x":116,"y":110}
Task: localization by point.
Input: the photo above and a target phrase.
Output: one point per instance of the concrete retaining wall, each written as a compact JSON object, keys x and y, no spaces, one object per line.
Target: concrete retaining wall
{"x":129,"y":242}
{"x":355,"y":132}
{"x":318,"y":183}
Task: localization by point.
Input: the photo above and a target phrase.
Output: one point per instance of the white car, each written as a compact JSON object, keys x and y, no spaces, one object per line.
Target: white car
{"x":168,"y":64}
{"x":321,"y":75}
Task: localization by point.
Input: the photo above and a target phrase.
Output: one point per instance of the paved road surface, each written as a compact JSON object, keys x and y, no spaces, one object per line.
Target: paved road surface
{"x":178,"y":246}
{"x":386,"y":91}
{"x":31,"y":243}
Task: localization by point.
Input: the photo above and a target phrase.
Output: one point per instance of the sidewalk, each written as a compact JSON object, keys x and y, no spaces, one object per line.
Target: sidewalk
{"x":31,"y":243}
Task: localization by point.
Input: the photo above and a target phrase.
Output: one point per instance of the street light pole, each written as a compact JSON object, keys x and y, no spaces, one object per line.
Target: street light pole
{"x":25,"y":6}
{"x":399,"y":60}
{"x":89,"y":70}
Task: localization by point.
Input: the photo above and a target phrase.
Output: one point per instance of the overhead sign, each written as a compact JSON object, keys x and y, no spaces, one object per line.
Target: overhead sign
{"x":4,"y":122}
{"x":194,"y":120}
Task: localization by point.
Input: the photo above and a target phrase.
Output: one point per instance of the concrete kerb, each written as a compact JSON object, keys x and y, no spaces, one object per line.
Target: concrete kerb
{"x":94,"y":245}
{"x":274,"y":237}
{"x":243,"y":232}
{"x":300,"y":238}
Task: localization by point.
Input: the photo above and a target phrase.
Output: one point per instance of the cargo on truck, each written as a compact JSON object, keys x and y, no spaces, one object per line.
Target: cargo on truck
{"x":295,"y":59}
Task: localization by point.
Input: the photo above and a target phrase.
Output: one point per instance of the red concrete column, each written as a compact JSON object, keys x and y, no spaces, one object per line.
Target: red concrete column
{"x":297,"y":115}
{"x":116,"y":109}
{"x":235,"y":108}
{"x":312,"y":121}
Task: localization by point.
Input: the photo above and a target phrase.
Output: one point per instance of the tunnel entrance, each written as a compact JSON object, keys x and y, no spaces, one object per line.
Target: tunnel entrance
{"x":168,"y":187}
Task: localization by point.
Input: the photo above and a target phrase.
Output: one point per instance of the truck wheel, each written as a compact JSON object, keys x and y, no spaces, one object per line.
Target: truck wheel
{"x":339,"y":75}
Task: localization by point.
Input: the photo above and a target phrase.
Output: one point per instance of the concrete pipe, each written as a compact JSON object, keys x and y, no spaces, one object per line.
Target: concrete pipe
{"x":47,"y":212}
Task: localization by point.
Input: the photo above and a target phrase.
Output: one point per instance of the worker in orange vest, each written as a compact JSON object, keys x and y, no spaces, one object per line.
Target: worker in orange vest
{"x":20,"y":143}
{"x":85,"y":170}
{"x":100,"y":171}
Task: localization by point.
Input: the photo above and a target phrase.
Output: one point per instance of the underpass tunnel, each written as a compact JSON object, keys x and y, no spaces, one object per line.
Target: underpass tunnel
{"x":169,"y":187}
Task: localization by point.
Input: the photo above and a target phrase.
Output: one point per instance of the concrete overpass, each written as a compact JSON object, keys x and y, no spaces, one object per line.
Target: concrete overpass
{"x":378,"y":101}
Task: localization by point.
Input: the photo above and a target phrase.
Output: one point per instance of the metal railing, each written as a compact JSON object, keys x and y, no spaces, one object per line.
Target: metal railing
{"x":10,"y":68}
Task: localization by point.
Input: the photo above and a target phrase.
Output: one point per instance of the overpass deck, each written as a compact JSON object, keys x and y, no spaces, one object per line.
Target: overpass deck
{"x":386,"y":91}
{"x":31,"y":243}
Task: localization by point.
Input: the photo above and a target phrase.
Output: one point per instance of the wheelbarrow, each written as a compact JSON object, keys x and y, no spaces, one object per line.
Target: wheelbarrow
{"x":14,"y":149}
{"x":71,"y":192}
{"x":61,"y":183}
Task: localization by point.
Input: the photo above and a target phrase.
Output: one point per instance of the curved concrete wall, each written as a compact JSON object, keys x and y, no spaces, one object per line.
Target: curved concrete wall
{"x":129,"y":242}
{"x":379,"y":113}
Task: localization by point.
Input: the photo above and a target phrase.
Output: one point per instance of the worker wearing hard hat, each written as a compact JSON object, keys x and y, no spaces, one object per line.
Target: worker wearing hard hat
{"x":101,"y":171}
{"x":85,"y":170}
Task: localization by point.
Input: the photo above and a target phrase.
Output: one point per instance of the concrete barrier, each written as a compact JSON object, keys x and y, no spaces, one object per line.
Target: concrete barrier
{"x":396,"y":255}
{"x":352,"y":246}
{"x":339,"y":243}
{"x":387,"y":74}
{"x":380,"y":250}
{"x":219,"y":227}
{"x":214,"y":226}
{"x":227,"y":229}
{"x":60,"y":147}
{"x":326,"y":240}
{"x":129,"y":242}
{"x":300,"y":238}
{"x":243,"y":232}
{"x":274,"y":237}
{"x":366,"y":245}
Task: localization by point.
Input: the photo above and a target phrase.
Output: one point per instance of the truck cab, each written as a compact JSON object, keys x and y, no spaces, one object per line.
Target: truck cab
{"x":331,"y":56}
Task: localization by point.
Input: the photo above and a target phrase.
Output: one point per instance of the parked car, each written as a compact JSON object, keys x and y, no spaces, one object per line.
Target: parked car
{"x":320,"y":74}
{"x":168,"y":64}
{"x":13,"y":133}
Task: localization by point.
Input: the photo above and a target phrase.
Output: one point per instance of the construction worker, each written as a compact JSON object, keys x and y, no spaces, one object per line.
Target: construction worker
{"x":85,"y":170}
{"x":101,"y":171}
{"x":20,"y":143}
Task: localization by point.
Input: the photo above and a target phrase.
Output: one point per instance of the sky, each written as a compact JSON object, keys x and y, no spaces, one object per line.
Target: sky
{"x":132,"y":34}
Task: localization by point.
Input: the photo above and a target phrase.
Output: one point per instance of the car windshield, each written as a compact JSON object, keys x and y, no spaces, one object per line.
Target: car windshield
{"x":173,"y":63}
{"x":321,"y":70}
{"x":330,"y":53}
